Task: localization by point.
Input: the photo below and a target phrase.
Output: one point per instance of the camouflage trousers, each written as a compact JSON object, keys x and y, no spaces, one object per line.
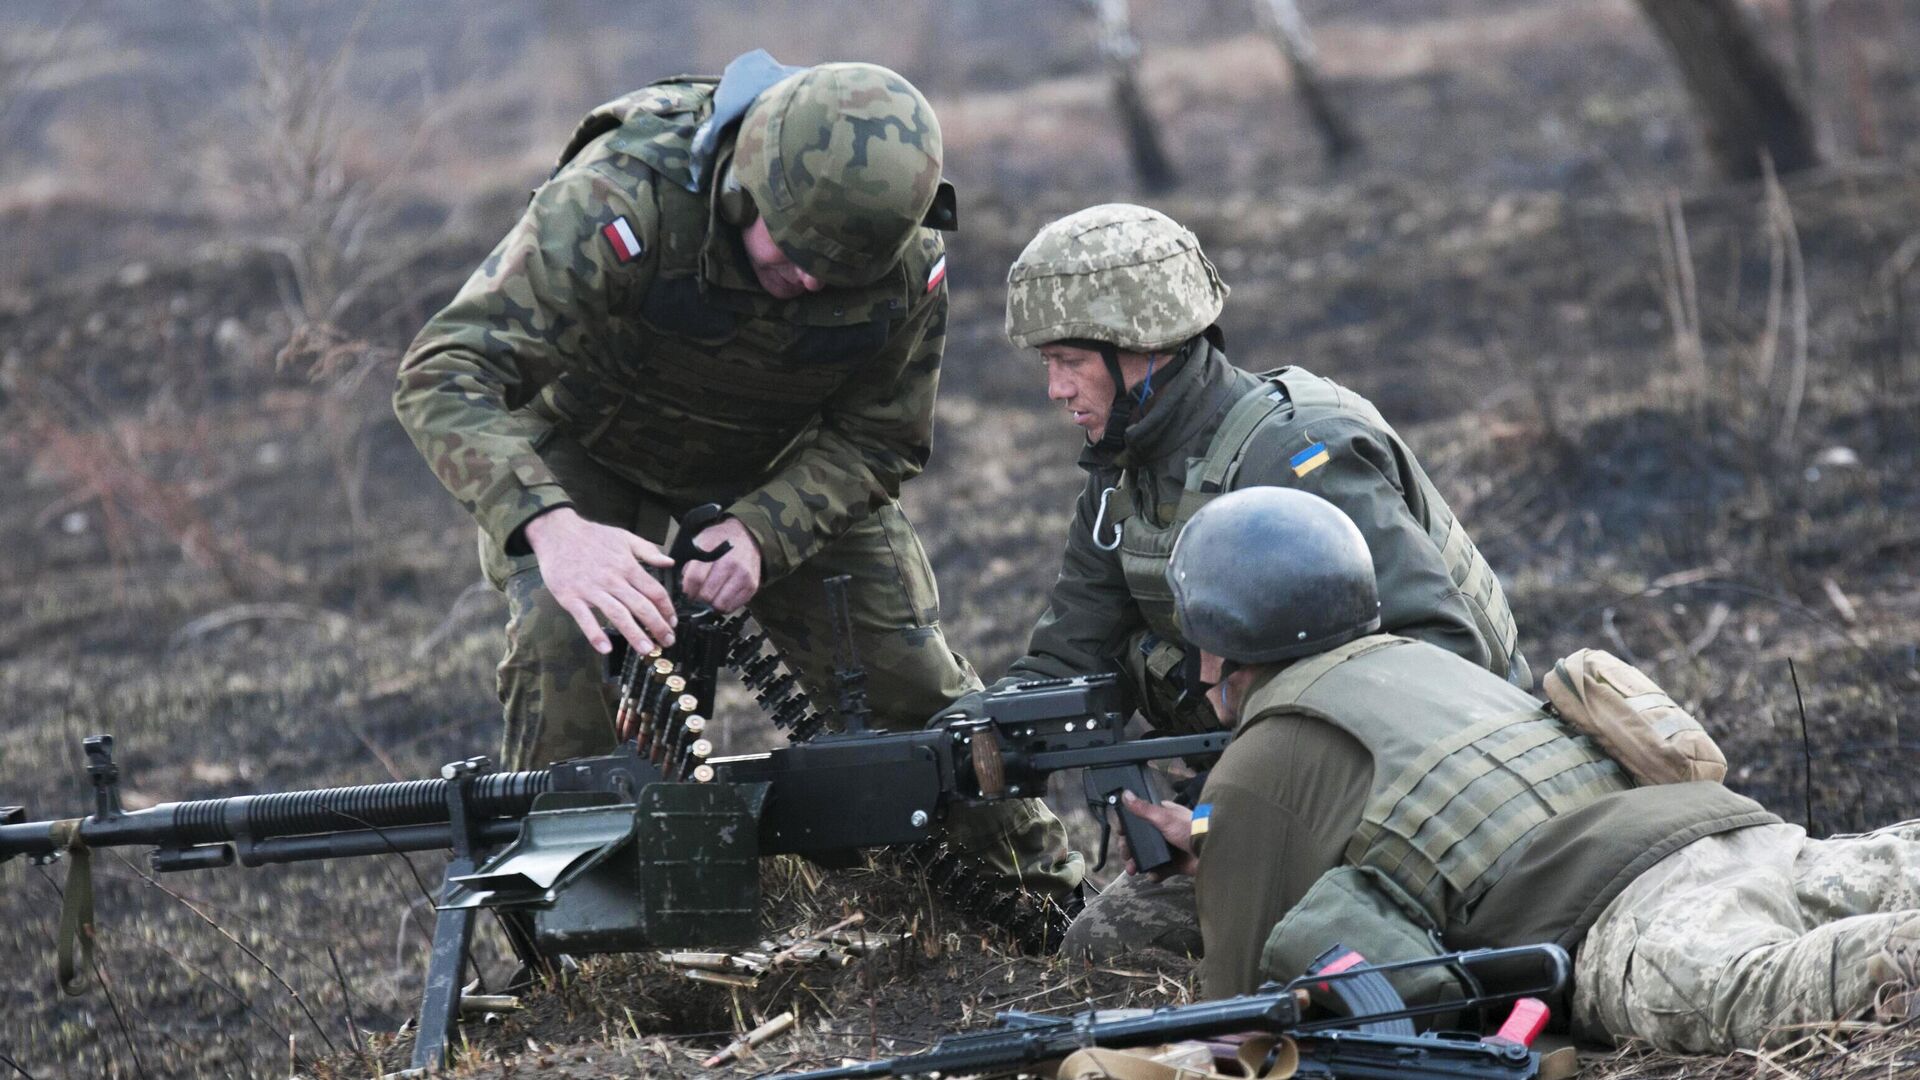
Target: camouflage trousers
{"x":559,"y":705}
{"x":1136,"y":912}
{"x":1736,"y":938}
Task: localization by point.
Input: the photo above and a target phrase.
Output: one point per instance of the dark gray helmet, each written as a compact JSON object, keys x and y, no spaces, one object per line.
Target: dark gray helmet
{"x":1267,"y":573}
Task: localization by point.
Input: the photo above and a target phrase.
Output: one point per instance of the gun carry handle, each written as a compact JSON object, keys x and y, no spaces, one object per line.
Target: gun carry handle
{"x":685,"y":551}
{"x":1144,"y":842}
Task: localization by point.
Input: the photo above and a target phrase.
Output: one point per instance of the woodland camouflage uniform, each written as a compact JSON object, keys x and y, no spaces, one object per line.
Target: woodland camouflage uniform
{"x":1132,"y":277}
{"x":617,"y":354}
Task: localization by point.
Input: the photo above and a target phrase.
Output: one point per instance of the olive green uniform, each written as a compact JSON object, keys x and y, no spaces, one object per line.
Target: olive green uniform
{"x":1214,"y":428}
{"x":615,"y":353}
{"x":1115,"y":604}
{"x":1388,"y":796}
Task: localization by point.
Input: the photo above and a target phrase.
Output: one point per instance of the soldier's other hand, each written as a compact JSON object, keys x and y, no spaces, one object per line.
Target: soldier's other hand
{"x":969,"y":706}
{"x":1174,"y":821}
{"x":599,"y":572}
{"x":727,"y":583}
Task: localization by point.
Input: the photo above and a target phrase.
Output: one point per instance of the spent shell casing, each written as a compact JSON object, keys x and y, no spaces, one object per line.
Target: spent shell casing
{"x":745,"y":982}
{"x":709,"y":961}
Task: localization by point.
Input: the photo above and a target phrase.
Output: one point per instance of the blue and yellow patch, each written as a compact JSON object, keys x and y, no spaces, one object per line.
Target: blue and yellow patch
{"x":1309,"y":459}
{"x":1202,"y":817}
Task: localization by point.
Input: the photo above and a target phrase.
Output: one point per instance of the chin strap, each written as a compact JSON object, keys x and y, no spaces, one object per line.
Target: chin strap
{"x":1115,"y":437}
{"x":1124,"y":402}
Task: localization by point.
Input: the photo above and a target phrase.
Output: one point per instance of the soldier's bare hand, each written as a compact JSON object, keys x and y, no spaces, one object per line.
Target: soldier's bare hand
{"x":730,"y":581}
{"x":599,"y":572}
{"x":1174,"y":821}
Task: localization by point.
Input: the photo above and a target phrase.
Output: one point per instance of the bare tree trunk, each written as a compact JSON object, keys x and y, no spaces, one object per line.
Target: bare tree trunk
{"x":1121,"y":49}
{"x":1746,"y":104}
{"x":1288,"y":28}
{"x":1806,"y":50}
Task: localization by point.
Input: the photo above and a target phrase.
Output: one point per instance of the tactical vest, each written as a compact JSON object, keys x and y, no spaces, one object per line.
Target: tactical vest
{"x":1146,"y":545}
{"x":1465,"y":768}
{"x":720,"y":380}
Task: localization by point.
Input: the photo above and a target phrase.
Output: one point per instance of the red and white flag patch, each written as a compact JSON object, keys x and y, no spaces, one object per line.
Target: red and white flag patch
{"x":626,"y":246}
{"x":937,"y":275}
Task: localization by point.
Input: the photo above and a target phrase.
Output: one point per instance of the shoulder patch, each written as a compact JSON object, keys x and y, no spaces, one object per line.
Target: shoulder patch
{"x":938,"y":274}
{"x":620,"y":234}
{"x":1309,"y":459}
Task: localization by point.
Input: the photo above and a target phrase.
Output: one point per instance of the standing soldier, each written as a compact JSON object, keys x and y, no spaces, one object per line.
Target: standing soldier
{"x":1120,"y":302}
{"x":732,"y":292}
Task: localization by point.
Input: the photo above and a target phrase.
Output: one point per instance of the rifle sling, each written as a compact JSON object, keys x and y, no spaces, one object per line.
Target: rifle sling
{"x":76,"y":907}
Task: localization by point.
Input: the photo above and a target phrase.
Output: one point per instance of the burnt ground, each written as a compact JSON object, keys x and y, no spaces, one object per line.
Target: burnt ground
{"x":223,"y":550}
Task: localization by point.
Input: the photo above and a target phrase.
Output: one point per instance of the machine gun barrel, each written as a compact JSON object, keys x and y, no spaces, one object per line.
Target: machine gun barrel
{"x":390,"y":816}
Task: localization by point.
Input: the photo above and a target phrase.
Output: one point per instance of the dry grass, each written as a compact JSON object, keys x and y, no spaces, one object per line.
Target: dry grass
{"x":1487,"y":280}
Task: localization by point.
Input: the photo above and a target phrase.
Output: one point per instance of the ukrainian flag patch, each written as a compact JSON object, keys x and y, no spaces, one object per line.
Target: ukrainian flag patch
{"x":1309,"y":459}
{"x":1202,"y":817}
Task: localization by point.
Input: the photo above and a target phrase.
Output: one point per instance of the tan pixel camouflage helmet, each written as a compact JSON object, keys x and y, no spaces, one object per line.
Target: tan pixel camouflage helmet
{"x":1125,"y":275}
{"x":842,"y":160}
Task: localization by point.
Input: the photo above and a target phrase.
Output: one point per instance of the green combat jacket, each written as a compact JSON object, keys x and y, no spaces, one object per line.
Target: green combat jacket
{"x":1489,"y":822}
{"x":1115,"y":604}
{"x":622,"y":311}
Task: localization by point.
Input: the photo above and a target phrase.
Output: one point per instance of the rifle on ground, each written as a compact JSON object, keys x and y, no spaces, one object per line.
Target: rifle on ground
{"x":653,"y":846}
{"x":1373,"y":1038}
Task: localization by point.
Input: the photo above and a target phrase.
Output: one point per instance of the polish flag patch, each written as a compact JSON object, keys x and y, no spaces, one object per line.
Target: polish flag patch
{"x":937,"y":275}
{"x":626,"y":246}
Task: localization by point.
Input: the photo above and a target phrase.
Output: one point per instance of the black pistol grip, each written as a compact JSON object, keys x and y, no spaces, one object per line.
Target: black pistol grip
{"x":1144,"y":842}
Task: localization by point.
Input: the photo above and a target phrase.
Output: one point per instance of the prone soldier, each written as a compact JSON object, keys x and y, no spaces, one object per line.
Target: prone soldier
{"x":1386,"y":793}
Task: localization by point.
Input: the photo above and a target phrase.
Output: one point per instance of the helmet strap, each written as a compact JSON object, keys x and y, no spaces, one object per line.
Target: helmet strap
{"x":1192,"y":684}
{"x":1114,"y":439}
{"x":1146,"y":384}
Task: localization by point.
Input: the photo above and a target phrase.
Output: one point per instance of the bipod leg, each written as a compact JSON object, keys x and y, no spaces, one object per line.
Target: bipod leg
{"x":446,"y":975}
{"x":452,"y":929}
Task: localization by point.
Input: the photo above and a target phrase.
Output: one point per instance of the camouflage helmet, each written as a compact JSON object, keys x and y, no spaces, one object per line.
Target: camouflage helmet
{"x":842,"y":161}
{"x":1269,"y":573}
{"x":1125,"y":275}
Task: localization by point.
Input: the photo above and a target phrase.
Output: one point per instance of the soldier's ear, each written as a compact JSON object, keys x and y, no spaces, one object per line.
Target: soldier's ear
{"x":944,"y":214}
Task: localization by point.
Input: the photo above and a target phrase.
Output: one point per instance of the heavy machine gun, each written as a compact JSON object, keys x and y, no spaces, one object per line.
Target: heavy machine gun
{"x":655,"y":845}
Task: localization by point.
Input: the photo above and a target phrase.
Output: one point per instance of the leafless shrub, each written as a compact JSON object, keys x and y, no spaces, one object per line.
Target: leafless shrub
{"x":342,"y":366}
{"x":1761,"y":388}
{"x":111,"y":466}
{"x":19,"y":63}
{"x":1680,"y":291}
{"x":1891,"y":311}
{"x":1783,"y":390}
